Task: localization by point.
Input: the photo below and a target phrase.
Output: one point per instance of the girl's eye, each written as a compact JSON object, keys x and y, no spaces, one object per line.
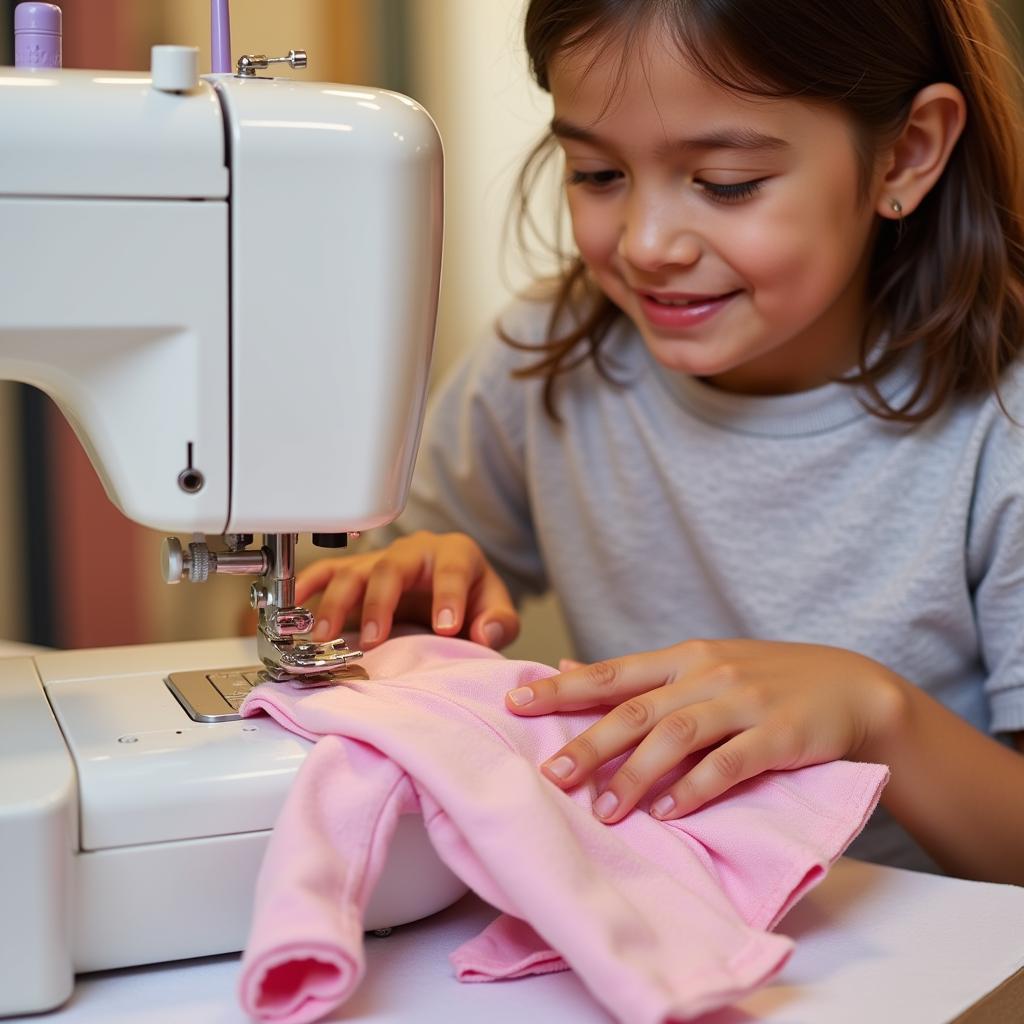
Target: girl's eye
{"x":731,"y":193}
{"x":595,"y":179}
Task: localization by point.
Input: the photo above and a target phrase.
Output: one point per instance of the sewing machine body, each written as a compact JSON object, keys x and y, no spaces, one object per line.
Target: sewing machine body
{"x":229,"y":292}
{"x":229,"y":287}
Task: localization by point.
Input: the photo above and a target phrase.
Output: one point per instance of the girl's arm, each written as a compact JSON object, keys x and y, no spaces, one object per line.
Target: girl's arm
{"x":958,"y":792}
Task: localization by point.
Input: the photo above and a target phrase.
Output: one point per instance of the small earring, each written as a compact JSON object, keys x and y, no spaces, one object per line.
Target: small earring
{"x":896,"y":206}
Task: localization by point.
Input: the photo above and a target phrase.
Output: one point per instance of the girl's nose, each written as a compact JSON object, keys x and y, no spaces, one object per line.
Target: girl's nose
{"x":653,"y":237}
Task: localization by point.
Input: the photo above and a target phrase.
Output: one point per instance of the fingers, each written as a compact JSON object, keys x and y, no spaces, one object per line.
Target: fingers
{"x":377,"y":581}
{"x":690,"y":721}
{"x":387,"y":581}
{"x":462,"y":586}
{"x":664,"y":727}
{"x":603,"y":683}
{"x":741,"y":758}
{"x":341,"y":595}
{"x":401,"y":568}
{"x":466,"y":596}
{"x":458,"y":564}
{"x":494,"y":621}
{"x":315,"y":577}
{"x":469,"y":596}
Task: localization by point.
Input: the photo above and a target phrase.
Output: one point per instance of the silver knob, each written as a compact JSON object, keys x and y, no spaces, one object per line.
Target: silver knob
{"x":200,"y":563}
{"x":172,"y":560}
{"x":249,"y":63}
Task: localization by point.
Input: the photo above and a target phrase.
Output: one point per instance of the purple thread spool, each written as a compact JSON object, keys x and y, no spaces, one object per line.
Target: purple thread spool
{"x":37,"y":36}
{"x":220,"y":37}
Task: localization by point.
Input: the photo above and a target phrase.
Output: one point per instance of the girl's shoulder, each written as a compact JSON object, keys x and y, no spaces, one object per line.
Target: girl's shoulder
{"x":997,"y":410}
{"x":525,"y":321}
{"x":488,"y":369}
{"x":1003,"y":412}
{"x":1012,"y":389}
{"x":997,"y":425}
{"x":506,"y":347}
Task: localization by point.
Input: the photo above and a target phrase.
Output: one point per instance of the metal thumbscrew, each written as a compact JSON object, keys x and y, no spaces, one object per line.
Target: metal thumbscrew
{"x":249,"y":63}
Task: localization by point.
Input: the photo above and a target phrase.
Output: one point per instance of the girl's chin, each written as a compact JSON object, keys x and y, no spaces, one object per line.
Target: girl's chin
{"x":693,"y":364}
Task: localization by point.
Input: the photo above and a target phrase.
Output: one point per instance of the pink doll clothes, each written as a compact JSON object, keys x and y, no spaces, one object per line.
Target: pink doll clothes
{"x":661,"y":920}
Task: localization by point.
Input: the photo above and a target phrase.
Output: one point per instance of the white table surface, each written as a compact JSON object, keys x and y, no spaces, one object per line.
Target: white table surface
{"x":873,"y":944}
{"x":15,"y":649}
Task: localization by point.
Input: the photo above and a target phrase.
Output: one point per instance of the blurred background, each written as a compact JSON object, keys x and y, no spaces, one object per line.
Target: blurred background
{"x":73,"y":571}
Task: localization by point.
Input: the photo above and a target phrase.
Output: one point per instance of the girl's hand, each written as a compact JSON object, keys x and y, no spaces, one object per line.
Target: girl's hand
{"x":439,"y":580}
{"x":761,"y":705}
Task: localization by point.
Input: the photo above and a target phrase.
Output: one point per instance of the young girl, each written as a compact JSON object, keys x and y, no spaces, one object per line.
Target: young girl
{"x":763,"y":436}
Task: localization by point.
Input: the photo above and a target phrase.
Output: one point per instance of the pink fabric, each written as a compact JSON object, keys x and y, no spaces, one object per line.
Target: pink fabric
{"x":662,"y":921}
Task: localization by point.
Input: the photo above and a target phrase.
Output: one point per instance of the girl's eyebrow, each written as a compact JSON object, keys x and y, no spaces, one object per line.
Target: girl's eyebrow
{"x":725,"y":138}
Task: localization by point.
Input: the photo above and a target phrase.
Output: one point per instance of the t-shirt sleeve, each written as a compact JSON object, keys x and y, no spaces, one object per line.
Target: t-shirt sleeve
{"x":471,"y":474}
{"x":996,"y":562}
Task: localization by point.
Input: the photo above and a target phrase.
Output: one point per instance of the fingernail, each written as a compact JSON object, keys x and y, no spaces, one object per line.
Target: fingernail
{"x":605,"y":804}
{"x":321,"y":631}
{"x":567,"y":665}
{"x":493,"y":634}
{"x":561,"y":767}
{"x":370,"y":633}
{"x":522,"y":695}
{"x":445,"y":618}
{"x":662,"y":806}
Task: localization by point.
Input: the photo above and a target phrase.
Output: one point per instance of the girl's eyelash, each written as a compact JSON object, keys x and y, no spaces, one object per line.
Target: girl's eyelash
{"x":593,"y":178}
{"x":731,"y":193}
{"x":718,"y":193}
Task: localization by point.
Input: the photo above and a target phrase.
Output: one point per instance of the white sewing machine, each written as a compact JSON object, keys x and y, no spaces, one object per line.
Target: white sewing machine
{"x":229,"y":287}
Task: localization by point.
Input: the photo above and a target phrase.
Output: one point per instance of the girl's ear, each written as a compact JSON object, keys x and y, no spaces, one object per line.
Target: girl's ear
{"x":916,"y":160}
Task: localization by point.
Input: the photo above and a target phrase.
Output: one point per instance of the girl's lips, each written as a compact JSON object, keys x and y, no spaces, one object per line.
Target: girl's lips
{"x":695,"y":311}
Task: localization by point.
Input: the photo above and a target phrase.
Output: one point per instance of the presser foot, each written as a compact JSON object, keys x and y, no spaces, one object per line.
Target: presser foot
{"x":307,"y":663}
{"x":216,"y":696}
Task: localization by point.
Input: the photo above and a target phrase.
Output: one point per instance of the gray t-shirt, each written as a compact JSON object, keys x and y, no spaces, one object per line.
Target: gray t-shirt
{"x":663,"y":509}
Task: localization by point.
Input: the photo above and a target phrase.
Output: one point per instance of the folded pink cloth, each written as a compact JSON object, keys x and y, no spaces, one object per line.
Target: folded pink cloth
{"x":662,"y":921}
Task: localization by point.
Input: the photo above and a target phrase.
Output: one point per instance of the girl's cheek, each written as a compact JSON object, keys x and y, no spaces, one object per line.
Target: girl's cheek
{"x":770,"y":257}
{"x":590,"y":240}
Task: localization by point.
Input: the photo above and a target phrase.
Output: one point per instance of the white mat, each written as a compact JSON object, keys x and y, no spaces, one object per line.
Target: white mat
{"x":873,"y":944}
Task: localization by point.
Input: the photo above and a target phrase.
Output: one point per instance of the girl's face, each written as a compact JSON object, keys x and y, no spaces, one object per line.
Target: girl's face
{"x":730,"y":230}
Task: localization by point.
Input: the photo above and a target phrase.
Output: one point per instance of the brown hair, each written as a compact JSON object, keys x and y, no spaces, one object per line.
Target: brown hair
{"x":947,"y":280}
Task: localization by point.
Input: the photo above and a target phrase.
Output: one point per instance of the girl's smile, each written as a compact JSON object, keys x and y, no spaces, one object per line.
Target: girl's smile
{"x":680,"y":310}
